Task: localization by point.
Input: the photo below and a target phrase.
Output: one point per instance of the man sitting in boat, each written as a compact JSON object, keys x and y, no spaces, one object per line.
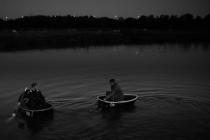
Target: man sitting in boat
{"x":116,"y":93}
{"x":32,"y":98}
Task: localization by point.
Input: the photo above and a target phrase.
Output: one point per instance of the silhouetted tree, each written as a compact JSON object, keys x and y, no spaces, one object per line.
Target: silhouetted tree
{"x":162,"y":22}
{"x":207,"y":22}
{"x":1,"y":23}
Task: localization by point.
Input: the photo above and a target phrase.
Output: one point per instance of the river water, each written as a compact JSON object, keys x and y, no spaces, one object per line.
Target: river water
{"x":171,"y":80}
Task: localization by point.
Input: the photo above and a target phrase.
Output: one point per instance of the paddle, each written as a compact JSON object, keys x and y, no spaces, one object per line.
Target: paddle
{"x":11,"y":118}
{"x":13,"y":115}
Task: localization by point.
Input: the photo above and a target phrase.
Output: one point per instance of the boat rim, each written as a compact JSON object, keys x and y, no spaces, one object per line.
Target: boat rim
{"x":37,"y":110}
{"x":119,"y":102}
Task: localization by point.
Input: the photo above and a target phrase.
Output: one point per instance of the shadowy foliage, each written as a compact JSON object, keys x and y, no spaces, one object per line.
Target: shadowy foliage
{"x":162,"y":22}
{"x":44,"y":32}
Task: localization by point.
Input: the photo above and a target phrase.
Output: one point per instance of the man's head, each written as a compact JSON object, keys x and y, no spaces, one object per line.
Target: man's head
{"x":33,"y":84}
{"x":112,"y":82}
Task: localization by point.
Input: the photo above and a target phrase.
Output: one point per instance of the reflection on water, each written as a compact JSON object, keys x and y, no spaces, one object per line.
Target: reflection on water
{"x":172,"y":81}
{"x":33,"y":125}
{"x":115,"y":114}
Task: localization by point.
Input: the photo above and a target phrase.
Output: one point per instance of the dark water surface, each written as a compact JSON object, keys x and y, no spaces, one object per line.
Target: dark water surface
{"x":172,"y":81}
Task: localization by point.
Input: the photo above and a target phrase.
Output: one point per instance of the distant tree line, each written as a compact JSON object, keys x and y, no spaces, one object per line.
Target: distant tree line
{"x":162,"y":22}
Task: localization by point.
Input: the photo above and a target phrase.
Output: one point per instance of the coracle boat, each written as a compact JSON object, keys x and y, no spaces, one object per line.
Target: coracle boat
{"x":45,"y":111}
{"x":129,"y":100}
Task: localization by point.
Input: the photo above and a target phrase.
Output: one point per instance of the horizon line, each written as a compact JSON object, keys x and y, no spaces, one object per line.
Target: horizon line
{"x":91,"y":15}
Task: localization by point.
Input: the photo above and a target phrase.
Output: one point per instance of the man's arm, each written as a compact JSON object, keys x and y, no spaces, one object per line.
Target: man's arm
{"x":41,"y":96}
{"x":110,"y":95}
{"x":20,"y":97}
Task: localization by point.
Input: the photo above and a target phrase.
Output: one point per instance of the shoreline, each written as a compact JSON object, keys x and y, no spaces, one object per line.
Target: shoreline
{"x":15,"y":40}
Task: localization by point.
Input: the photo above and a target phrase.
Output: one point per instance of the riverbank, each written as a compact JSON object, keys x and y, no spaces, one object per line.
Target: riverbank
{"x":13,"y":40}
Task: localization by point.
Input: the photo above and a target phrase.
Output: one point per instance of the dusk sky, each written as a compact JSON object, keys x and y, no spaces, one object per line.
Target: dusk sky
{"x":110,"y":8}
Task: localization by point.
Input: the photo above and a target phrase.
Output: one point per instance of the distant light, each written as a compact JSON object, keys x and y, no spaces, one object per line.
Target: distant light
{"x":14,"y":31}
{"x":138,"y":16}
{"x":22,"y":16}
{"x":6,"y":17}
{"x":137,"y":52}
{"x":116,"y":16}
